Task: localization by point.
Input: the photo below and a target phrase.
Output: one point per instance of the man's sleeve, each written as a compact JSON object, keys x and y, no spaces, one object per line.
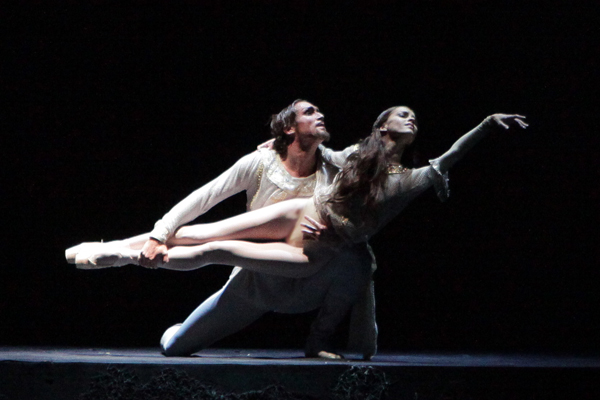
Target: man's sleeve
{"x":241,"y":176}
{"x":337,"y":158}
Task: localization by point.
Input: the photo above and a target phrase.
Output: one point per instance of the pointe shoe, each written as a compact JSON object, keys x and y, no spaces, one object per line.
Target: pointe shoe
{"x":103,"y":255}
{"x":71,"y":253}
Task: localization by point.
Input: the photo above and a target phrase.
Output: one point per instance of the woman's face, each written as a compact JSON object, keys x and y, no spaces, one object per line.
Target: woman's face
{"x":402,"y":121}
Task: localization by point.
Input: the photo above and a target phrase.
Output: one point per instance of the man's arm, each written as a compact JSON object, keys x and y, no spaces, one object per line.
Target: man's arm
{"x":241,"y":176}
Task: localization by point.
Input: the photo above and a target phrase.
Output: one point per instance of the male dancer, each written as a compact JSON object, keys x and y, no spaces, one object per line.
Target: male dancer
{"x":295,"y":167}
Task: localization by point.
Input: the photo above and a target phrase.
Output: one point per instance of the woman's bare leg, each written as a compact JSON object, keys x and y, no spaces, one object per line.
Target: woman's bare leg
{"x":277,"y":258}
{"x":274,"y":222}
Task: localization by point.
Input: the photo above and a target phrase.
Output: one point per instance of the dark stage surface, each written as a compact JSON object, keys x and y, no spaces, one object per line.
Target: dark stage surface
{"x":290,"y":357}
{"x":114,"y":114}
{"x":65,"y":373}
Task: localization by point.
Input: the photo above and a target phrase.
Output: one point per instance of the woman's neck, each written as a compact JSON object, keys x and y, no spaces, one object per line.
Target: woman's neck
{"x":394,"y":151}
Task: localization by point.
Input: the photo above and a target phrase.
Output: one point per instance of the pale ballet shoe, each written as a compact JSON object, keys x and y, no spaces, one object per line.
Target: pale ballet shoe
{"x":104,"y":255}
{"x":71,"y":252}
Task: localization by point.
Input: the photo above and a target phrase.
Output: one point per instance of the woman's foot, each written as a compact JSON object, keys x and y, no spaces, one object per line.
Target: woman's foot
{"x":71,"y":253}
{"x":104,"y":255}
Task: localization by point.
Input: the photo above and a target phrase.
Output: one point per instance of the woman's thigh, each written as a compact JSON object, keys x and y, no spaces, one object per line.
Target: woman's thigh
{"x":274,"y":222}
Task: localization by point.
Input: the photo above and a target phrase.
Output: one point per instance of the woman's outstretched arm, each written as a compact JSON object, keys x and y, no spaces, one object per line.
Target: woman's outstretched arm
{"x":468,"y":140}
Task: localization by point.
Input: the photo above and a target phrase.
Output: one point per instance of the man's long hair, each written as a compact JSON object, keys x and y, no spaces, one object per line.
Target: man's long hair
{"x":364,"y":176}
{"x":279,"y":123}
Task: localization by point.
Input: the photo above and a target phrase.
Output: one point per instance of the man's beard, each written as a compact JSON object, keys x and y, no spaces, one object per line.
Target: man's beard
{"x":323,"y":135}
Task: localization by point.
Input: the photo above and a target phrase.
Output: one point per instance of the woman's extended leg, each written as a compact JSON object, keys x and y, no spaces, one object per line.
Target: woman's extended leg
{"x":279,"y":259}
{"x":274,"y":222}
{"x":276,"y":258}
{"x":278,"y":221}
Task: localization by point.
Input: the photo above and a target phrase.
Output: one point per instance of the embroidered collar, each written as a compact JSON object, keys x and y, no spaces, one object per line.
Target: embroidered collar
{"x":276,"y":172}
{"x":396,"y":169}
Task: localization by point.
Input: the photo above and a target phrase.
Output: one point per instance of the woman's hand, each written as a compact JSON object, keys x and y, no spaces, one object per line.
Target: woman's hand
{"x":506,"y":120}
{"x":469,"y":139}
{"x":313,"y":229}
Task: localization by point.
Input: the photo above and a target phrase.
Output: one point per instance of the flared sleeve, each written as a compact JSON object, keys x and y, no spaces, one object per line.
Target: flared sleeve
{"x":440,"y":180}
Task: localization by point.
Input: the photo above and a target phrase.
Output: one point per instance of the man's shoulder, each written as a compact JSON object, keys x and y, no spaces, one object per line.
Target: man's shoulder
{"x":268,"y":158}
{"x":266,"y":153}
{"x":261,"y":159}
{"x":251,"y":159}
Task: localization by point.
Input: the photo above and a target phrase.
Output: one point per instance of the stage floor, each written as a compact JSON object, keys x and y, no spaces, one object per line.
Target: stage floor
{"x":290,"y":357}
{"x":103,"y":373}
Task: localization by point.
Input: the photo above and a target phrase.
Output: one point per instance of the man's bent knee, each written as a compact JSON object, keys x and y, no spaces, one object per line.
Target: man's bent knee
{"x":171,"y":344}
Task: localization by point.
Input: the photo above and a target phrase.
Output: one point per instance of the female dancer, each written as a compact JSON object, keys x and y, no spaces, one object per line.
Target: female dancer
{"x":370,"y":190}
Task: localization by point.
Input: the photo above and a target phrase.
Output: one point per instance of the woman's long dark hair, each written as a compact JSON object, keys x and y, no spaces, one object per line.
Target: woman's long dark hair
{"x":364,"y":175}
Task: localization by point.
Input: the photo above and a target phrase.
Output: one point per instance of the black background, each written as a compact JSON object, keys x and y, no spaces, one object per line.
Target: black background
{"x":114,"y":114}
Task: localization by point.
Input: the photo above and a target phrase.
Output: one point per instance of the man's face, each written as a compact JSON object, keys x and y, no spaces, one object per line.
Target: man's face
{"x":309,"y":122}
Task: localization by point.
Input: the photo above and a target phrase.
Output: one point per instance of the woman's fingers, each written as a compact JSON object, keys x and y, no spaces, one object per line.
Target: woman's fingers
{"x":314,"y":222}
{"x":504,"y":119}
{"x":309,"y":235}
{"x":501,"y":122}
{"x":310,"y":232}
{"x":312,"y":229}
{"x":523,"y":124}
{"x":308,"y":227}
{"x":518,"y":119}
